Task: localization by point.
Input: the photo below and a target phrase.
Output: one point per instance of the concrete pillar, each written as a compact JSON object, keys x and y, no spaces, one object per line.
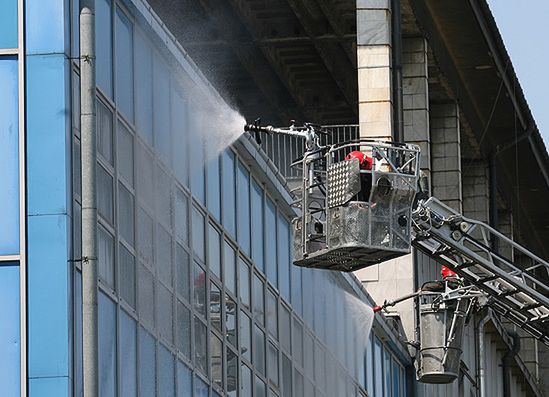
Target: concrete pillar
{"x":446,"y":154}
{"x":374,"y":68}
{"x":415,"y":91}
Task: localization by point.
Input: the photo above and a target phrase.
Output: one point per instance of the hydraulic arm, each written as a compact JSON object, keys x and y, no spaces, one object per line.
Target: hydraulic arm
{"x":514,"y":279}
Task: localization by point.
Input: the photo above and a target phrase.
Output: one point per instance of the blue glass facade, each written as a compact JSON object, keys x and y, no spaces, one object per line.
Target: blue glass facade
{"x":48,"y":164}
{"x":197,"y":292}
{"x":9,"y":156}
{"x":12,"y":231}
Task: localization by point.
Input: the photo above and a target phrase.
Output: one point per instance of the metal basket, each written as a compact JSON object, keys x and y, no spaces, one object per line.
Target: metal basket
{"x":441,"y":330}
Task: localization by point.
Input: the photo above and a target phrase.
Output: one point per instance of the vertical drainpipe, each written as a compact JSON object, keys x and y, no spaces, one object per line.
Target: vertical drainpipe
{"x":482,"y":356}
{"x":398,"y":108}
{"x":89,"y":199}
{"x":493,"y":197}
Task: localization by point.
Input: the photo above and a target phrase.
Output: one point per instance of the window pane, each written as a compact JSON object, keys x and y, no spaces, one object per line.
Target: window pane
{"x":320,"y":367}
{"x":296,"y":293}
{"x":124,"y":64}
{"x":214,"y":187}
{"x":182,"y":268}
{"x":9,"y":146}
{"x":103,"y":34}
{"x":161,"y":100}
{"x":284,"y":256}
{"x":125,"y":153}
{"x":369,"y":366}
{"x":244,"y":283}
{"x":298,"y":384}
{"x":144,"y":236}
{"x":104,"y":132}
{"x":181,"y":217}
{"x":272,"y":364}
{"x":200,"y":346}
{"x":164,"y":312}
{"x":230,"y":315}
{"x":229,"y":192}
{"x":199,"y":282}
{"x":258,"y":300}
{"x":147,"y":364}
{"x":166,"y":373}
{"x":245,"y":335}
{"x":184,"y":380}
{"x":229,"y":266}
{"x":257,"y":224}
{"x":143,"y":87}
{"x":8,"y":24}
{"x":378,"y":369}
{"x":105,"y":194}
{"x":196,"y":157}
{"x":396,"y":379}
{"x":127,"y":275}
{"x":214,"y":248}
{"x":243,"y":201}
{"x":200,"y":388}
{"x":270,"y":243}
{"x":215,"y":307}
{"x":125,"y":214}
{"x":145,"y":294}
{"x":198,"y":233}
{"x":259,"y":350}
{"x":272,"y":314}
{"x":297,"y":343}
{"x":163,"y":197}
{"x":10,"y":343}
{"x":246,"y":383}
{"x":259,"y":387}
{"x":183,"y":329}
{"x":180,"y":134}
{"x":145,"y":176}
{"x":285,"y":329}
{"x":232,"y":372}
{"x":164,"y":256}
{"x":216,"y":360}
{"x":286,"y":376}
{"x":107,"y":346}
{"x":128,"y":367}
{"x":387,"y":372}
{"x":106,"y":257}
{"x":308,"y":350}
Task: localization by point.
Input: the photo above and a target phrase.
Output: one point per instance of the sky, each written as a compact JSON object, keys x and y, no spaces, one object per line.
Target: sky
{"x":524,"y":26}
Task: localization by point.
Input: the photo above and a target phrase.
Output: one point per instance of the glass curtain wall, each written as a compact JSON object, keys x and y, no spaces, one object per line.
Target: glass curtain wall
{"x":197,"y":293}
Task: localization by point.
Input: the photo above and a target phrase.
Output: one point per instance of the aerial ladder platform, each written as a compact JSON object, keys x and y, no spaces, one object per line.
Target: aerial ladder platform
{"x":360,"y":203}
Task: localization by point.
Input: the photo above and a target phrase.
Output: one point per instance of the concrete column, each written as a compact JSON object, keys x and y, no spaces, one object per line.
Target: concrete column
{"x":375,"y":104}
{"x":415,"y":92}
{"x":446,"y":154}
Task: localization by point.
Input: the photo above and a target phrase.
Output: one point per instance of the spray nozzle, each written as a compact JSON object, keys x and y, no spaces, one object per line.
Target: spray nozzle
{"x":256,"y":128}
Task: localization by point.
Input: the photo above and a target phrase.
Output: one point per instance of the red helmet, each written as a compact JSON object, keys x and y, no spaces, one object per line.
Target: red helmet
{"x":446,"y":272}
{"x":364,"y":160}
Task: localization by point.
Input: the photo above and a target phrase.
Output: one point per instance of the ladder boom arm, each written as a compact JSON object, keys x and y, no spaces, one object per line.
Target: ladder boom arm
{"x":515,"y":280}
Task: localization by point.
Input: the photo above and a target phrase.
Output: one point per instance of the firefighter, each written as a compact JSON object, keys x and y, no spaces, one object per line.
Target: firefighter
{"x":365,"y":163}
{"x":448,"y":277}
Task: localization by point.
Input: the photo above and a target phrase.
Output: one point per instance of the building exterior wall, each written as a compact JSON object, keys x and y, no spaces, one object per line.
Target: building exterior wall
{"x":198,"y":296}
{"x":197,"y":292}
